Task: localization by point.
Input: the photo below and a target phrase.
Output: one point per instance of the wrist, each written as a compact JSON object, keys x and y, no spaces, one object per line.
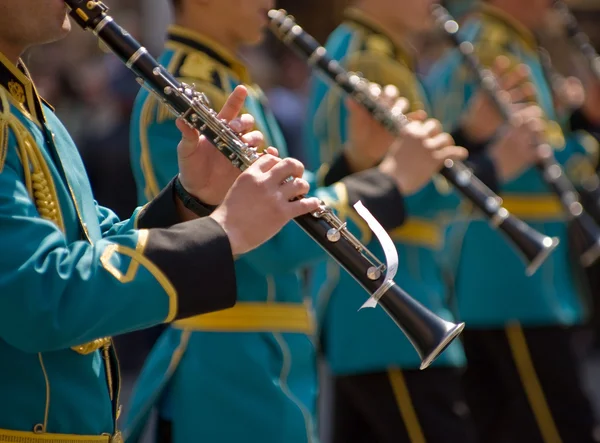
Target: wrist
{"x":355,"y":160}
{"x":501,"y":166}
{"x":191,"y":203}
{"x":220,"y":216}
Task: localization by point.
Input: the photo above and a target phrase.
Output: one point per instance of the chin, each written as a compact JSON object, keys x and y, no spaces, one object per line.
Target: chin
{"x":255,"y":39}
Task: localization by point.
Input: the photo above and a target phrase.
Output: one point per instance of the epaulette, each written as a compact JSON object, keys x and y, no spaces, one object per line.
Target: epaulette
{"x":494,"y":35}
{"x":380,"y":44}
{"x":200,"y":66}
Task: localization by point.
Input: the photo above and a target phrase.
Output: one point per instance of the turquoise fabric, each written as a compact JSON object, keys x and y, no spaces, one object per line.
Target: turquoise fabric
{"x":58,"y":286}
{"x":265,"y":383}
{"x":501,"y":292}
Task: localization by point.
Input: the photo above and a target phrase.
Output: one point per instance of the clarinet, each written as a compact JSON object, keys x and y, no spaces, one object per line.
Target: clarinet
{"x":550,"y":170}
{"x":532,"y":246}
{"x":428,"y":333}
{"x":579,"y":38}
{"x":590,"y":185}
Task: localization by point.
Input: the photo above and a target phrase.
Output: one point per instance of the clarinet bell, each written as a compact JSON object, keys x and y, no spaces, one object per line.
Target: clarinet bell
{"x":533,"y":246}
{"x":429,"y":334}
{"x":588,"y":239}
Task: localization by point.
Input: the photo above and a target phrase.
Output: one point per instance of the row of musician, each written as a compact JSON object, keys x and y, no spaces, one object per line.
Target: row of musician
{"x":249,"y":373}
{"x":518,"y":293}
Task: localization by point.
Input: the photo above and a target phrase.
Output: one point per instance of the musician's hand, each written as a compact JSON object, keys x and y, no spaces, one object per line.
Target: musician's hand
{"x":368,"y":140}
{"x":517,"y":149}
{"x":482,"y":118}
{"x":258,"y":204}
{"x":420,"y":154}
{"x":591,"y":100}
{"x":203,"y":171}
{"x":570,"y":93}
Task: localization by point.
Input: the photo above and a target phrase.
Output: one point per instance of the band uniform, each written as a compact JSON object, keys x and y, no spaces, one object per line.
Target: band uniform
{"x":522,"y":378}
{"x":255,"y":363}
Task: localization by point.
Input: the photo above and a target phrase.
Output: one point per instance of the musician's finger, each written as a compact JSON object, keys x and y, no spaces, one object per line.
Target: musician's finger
{"x":272,"y":151}
{"x":304,"y":205}
{"x":254,"y":139}
{"x":501,"y":65}
{"x":187,"y":132}
{"x":391,"y":92}
{"x":189,"y":139}
{"x":234,"y":104}
{"x":439,"y":142}
{"x":432,"y":127}
{"x":265,"y":162}
{"x":525,"y":93}
{"x":451,"y":152}
{"x":242,"y":124}
{"x":419,"y":115}
{"x":288,"y":167}
{"x":294,"y":187}
{"x":515,"y":77}
{"x":401,"y":106}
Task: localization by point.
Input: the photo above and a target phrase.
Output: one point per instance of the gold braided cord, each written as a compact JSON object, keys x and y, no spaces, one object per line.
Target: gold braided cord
{"x":38,"y":178}
{"x":42,"y":190}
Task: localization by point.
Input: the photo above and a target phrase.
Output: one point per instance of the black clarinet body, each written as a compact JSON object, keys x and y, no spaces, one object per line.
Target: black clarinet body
{"x":550,"y":170}
{"x":533,"y":246}
{"x":428,"y":333}
{"x":578,"y":37}
{"x":590,"y":186}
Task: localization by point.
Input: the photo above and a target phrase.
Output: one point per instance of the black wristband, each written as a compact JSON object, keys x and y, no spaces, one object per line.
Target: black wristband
{"x":190,"y":202}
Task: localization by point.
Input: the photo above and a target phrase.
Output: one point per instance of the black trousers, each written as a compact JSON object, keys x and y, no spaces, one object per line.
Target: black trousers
{"x":397,"y":406}
{"x":524,"y":385}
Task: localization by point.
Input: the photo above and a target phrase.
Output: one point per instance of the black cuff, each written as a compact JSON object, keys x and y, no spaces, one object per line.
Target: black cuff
{"x":195,"y":205}
{"x":338,"y":170}
{"x":485,"y":170}
{"x":578,"y":121}
{"x":380,"y":195}
{"x":461,"y":139}
{"x":196,"y":257}
{"x":161,"y":212}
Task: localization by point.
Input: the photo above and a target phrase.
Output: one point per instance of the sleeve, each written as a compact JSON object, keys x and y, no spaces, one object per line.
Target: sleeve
{"x":55,"y":294}
{"x":578,"y":121}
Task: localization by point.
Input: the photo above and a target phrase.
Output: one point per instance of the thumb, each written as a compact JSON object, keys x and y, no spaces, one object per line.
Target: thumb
{"x":189,"y":139}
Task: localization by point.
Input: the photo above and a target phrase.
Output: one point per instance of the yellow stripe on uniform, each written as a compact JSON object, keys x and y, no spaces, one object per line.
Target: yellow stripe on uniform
{"x":534,"y":207}
{"x":254,"y":317}
{"x":8,"y":436}
{"x":419,"y":233}
{"x":531,"y":384}
{"x":405,"y":405}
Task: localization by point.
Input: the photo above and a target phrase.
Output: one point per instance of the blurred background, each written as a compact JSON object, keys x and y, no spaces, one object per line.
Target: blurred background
{"x":93,"y":95}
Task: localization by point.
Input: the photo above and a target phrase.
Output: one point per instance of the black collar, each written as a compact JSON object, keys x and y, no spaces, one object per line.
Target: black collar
{"x":21,"y":90}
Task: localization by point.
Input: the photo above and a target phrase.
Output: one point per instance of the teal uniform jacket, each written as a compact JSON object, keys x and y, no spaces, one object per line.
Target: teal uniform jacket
{"x":247,"y":374}
{"x":365,"y":342}
{"x":491,"y":287}
{"x":72,"y":275}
